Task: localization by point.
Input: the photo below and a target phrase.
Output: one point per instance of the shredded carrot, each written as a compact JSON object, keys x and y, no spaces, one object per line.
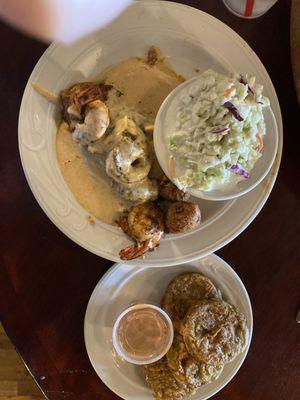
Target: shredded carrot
{"x":90,"y":219}
{"x":260,"y":143}
{"x":172,"y":167}
{"x":228,"y":91}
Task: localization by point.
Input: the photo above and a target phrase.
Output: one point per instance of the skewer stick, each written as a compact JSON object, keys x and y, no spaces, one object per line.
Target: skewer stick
{"x":45,"y":93}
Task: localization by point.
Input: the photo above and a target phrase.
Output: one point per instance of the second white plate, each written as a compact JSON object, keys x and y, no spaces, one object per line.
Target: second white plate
{"x":123,"y":285}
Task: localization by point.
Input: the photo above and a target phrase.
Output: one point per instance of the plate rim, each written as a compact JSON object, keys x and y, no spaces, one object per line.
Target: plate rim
{"x":114,"y":268}
{"x":251,"y":215}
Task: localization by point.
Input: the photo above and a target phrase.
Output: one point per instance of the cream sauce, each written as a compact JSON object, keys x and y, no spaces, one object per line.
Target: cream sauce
{"x":86,"y":178}
{"x":143,"y":89}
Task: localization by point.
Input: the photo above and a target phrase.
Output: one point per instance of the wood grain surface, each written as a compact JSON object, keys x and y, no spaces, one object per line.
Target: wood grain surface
{"x":15,"y":381}
{"x":295,"y":43}
{"x":46,"y":279}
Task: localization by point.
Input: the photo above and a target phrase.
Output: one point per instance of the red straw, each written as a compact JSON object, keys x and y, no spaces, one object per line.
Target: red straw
{"x":249,"y":8}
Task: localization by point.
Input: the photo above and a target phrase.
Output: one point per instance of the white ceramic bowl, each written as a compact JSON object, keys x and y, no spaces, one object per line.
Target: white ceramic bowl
{"x":124,"y":284}
{"x":165,"y":124}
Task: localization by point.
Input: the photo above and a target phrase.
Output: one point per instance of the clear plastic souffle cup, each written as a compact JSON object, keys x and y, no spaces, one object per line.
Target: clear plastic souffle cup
{"x":142,"y":334}
{"x":249,"y":8}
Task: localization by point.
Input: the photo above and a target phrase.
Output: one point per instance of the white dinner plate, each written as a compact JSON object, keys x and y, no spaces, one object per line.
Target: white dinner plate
{"x":125,"y":284}
{"x":192,"y":41}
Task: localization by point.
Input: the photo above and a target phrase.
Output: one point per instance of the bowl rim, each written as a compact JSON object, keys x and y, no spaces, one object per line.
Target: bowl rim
{"x":202,"y":194}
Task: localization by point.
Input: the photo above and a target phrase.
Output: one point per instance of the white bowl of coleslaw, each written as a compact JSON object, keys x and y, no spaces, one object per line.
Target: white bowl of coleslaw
{"x":215,"y":136}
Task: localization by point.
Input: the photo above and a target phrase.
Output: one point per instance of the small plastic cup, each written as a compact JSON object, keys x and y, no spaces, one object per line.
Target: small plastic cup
{"x":249,"y":8}
{"x":142,"y":334}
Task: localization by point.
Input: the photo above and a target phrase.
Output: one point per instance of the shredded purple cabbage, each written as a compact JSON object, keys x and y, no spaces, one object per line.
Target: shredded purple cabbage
{"x":242,"y":80}
{"x":233,"y":110}
{"x":219,"y":131}
{"x":239,"y":171}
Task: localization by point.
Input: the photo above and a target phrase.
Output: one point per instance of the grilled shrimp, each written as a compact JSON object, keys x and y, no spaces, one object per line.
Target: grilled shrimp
{"x":140,"y":192}
{"x":144,"y":223}
{"x":128,"y":162}
{"x":95,"y":123}
{"x":77,"y":97}
{"x":125,"y":129}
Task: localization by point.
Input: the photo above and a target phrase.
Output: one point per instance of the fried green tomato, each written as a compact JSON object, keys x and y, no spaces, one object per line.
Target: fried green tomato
{"x":163,"y":383}
{"x":214,"y":332}
{"x":186,"y":369}
{"x":183,"y":291}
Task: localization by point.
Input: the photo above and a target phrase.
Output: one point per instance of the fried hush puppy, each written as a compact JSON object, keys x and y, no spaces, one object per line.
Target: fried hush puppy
{"x":182,"y":216}
{"x":170,"y":192}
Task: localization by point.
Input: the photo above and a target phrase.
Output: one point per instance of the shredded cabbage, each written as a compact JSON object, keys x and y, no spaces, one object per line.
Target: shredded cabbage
{"x":217,"y":125}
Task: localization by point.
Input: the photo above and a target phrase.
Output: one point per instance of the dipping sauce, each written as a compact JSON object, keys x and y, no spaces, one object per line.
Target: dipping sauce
{"x":142,"y":334}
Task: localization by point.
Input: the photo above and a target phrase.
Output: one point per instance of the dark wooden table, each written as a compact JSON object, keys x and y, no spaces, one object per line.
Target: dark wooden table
{"x":46,"y":279}
{"x":295,"y":43}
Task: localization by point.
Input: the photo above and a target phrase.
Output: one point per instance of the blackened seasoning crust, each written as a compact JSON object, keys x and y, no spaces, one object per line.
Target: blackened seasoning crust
{"x":78,"y":96}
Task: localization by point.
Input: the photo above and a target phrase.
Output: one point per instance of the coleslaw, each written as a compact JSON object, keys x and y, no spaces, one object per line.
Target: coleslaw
{"x":219,"y":130}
